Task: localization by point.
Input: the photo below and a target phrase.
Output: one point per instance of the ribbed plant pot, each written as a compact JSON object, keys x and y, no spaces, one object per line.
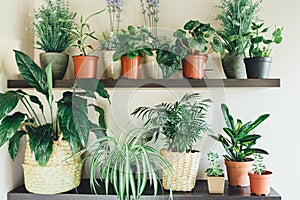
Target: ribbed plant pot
{"x":152,"y":67}
{"x":234,"y":66}
{"x":237,"y":173}
{"x":131,"y":67}
{"x":59,"y":63}
{"x":258,"y":67}
{"x":260,"y":184}
{"x":112,"y":68}
{"x":215,"y":184}
{"x":193,"y":66}
{"x":85,"y":66}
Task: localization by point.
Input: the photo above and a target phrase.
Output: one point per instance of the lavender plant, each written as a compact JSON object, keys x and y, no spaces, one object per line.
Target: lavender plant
{"x":115,"y":8}
{"x":150,"y":10}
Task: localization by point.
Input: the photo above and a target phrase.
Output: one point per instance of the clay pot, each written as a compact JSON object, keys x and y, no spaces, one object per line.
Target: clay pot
{"x":260,"y":184}
{"x":85,"y":66}
{"x":216,"y":184}
{"x":193,"y":66}
{"x":234,"y":66}
{"x":59,"y":63}
{"x":131,"y":67}
{"x":258,"y":67}
{"x":237,"y":172}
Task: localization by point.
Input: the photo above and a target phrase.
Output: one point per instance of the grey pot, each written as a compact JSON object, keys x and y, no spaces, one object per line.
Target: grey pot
{"x":234,"y":67}
{"x":59,"y":63}
{"x":258,"y":67}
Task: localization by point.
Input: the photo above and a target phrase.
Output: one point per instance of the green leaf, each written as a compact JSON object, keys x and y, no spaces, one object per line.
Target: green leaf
{"x":179,"y":34}
{"x":14,"y":144}
{"x":252,"y":151}
{"x":36,"y":100}
{"x":8,"y":101}
{"x":192,"y":24}
{"x":49,"y":81}
{"x":253,"y":125}
{"x":228,"y":118}
{"x":101,"y":119}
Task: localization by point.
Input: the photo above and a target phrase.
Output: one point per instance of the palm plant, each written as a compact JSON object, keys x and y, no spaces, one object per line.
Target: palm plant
{"x":182,"y":122}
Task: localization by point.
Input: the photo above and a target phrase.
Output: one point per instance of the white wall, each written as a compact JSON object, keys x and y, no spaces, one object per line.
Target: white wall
{"x":280,"y":135}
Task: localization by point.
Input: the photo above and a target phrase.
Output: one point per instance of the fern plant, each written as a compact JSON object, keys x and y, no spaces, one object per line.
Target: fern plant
{"x":182,"y":123}
{"x":49,"y":24}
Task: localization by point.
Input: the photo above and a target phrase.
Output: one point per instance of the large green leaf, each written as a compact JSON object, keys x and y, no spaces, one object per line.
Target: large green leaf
{"x":14,"y":144}
{"x":8,"y":101}
{"x":259,"y":120}
{"x":31,"y":72}
{"x":190,"y":25}
{"x":228,"y":118}
{"x":9,"y":126}
{"x":101,"y":119}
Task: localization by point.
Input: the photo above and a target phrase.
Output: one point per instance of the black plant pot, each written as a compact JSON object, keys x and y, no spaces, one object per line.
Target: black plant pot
{"x":258,"y":67}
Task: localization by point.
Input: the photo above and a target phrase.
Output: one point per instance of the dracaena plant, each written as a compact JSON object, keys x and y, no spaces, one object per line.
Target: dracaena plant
{"x":182,"y":122}
{"x":72,"y":116}
{"x":126,"y":163}
{"x":240,"y":141}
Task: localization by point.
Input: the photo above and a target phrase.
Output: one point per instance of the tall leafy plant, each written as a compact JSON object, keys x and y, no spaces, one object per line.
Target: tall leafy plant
{"x":72,"y":119}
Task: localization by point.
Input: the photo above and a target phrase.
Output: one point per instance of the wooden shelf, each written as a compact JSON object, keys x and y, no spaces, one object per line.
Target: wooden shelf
{"x":164,"y":83}
{"x":200,"y":192}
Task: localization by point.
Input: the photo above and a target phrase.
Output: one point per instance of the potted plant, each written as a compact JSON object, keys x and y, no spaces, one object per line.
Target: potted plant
{"x":182,"y":123}
{"x":85,"y":65}
{"x":49,"y":23}
{"x":215,"y":175}
{"x":235,"y":19}
{"x":48,"y":165}
{"x":126,"y":163}
{"x":260,"y":178}
{"x":259,"y":60}
{"x":133,"y":43}
{"x":203,"y":40}
{"x":239,"y":146}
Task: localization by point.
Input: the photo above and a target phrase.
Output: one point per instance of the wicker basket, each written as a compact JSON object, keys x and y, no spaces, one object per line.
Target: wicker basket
{"x":61,"y":173}
{"x":186,"y":168}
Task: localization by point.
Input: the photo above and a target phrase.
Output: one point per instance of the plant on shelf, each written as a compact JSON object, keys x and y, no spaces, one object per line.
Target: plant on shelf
{"x":215,"y":175}
{"x":49,"y":23}
{"x":235,"y":18}
{"x":72,"y":124}
{"x":259,"y":60}
{"x":182,"y":123}
{"x":202,"y":40}
{"x":126,"y":164}
{"x":150,"y":10}
{"x":115,"y":8}
{"x":239,"y":146}
{"x":134,"y":42}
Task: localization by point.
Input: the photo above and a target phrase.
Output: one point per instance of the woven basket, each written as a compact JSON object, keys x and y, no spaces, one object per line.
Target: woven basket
{"x":61,"y":173}
{"x":186,"y":168}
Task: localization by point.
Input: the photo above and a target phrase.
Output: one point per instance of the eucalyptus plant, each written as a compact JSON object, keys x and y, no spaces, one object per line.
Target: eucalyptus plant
{"x":214,"y":169}
{"x":258,"y":166}
{"x":239,"y":141}
{"x":182,"y":123}
{"x":126,"y":163}
{"x":49,"y":23}
{"x":72,"y":116}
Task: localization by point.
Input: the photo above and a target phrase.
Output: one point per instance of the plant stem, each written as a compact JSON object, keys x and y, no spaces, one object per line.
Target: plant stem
{"x":34,"y":115}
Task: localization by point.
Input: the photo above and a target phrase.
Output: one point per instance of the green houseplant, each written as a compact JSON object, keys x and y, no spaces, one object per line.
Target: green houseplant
{"x":182,"y":123}
{"x":49,"y":23}
{"x":134,"y":42}
{"x":235,"y":18}
{"x":215,"y":175}
{"x":72,"y":124}
{"x":239,"y":146}
{"x":259,"y":60}
{"x":126,"y":164}
{"x":202,"y":41}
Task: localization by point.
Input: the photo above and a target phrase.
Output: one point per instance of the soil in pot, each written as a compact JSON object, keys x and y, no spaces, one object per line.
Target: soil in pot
{"x":85,"y":66}
{"x":260,"y":184}
{"x":237,"y":173}
{"x":258,"y":67}
{"x":193,"y":66}
{"x":234,"y":67}
{"x":131,"y":67}
{"x":59,"y":63}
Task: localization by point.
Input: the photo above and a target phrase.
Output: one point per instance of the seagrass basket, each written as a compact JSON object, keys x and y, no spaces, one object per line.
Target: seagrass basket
{"x":185,"y":166}
{"x":62,"y":173}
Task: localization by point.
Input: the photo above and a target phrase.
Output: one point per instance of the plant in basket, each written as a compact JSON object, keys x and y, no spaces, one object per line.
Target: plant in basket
{"x":50,"y":142}
{"x":182,"y":123}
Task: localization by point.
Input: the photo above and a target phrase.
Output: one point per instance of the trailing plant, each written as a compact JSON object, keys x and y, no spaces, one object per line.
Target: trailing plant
{"x":72,"y":116}
{"x":239,"y":141}
{"x":115,"y":8}
{"x":133,"y":42}
{"x":182,"y":123}
{"x":235,"y":19}
{"x":126,"y":164}
{"x":50,"y":20}
{"x":215,"y":169}
{"x":259,"y":45}
{"x":258,"y":166}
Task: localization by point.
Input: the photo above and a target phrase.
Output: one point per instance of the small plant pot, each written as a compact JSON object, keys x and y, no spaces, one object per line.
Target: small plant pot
{"x":131,"y":67}
{"x":112,"y":68}
{"x":215,"y":184}
{"x":152,"y":67}
{"x":260,"y":184}
{"x":258,"y":67}
{"x":85,"y":66}
{"x":193,"y":66}
{"x":237,"y":173}
{"x":234,"y":66}
{"x":59,"y":63}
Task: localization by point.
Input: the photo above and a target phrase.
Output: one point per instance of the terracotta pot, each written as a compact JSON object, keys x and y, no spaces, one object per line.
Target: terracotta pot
{"x":260,"y":184}
{"x":131,"y":67}
{"x":215,"y":184}
{"x":85,"y":66}
{"x":193,"y":66}
{"x":59,"y":63}
{"x":237,"y":173}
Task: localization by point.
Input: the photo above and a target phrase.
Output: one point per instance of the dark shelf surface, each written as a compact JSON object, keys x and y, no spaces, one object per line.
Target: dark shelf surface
{"x":163,"y":83}
{"x":200,"y":192}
